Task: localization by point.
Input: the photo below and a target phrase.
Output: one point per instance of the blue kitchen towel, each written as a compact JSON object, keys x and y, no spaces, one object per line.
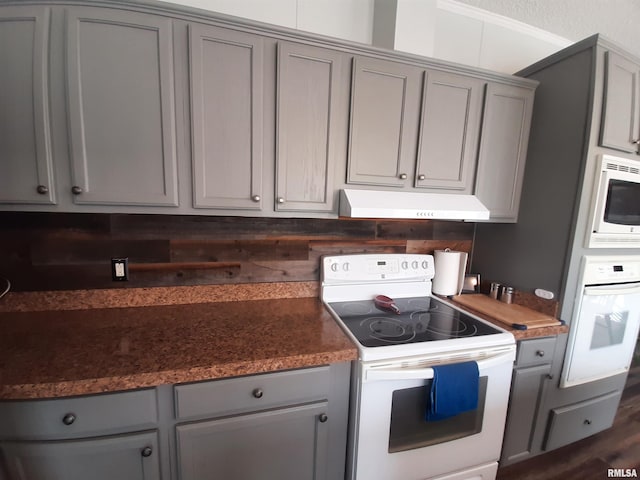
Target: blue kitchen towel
{"x":454,"y":390}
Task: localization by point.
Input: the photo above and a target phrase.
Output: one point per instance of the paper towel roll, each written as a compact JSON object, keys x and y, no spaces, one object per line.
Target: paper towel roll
{"x":449,"y":272}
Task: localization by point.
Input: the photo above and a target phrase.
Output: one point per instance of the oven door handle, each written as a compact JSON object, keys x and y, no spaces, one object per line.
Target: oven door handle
{"x":395,"y":372}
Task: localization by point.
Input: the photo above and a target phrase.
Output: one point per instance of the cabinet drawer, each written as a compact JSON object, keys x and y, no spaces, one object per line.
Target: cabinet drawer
{"x":581,"y":420}
{"x":257,"y":392}
{"x":79,"y":416}
{"x":536,"y":351}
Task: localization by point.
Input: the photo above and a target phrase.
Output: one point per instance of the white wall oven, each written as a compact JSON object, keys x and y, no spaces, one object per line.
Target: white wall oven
{"x":616,"y":209}
{"x":604,"y":330}
{"x":406,"y":339}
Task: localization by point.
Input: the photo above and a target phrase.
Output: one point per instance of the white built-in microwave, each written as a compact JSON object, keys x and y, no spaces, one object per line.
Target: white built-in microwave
{"x":616,"y":214}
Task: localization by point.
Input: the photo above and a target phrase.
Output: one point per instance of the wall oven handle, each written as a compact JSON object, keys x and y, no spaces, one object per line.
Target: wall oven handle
{"x":396,"y":372}
{"x":613,"y":289}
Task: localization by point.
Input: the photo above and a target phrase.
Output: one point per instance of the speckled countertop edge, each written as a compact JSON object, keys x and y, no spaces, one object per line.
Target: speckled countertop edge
{"x":152,"y":296}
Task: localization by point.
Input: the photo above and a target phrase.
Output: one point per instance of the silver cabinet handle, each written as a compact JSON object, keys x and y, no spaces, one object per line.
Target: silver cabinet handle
{"x":540,"y":353}
{"x":68,"y":419}
{"x":323,"y":417}
{"x":256,"y":198}
{"x":280,"y":200}
{"x":402,"y":176}
{"x":636,"y":142}
{"x":587,"y":421}
{"x":42,"y":189}
{"x":146,"y":452}
{"x":421,"y":177}
{"x":76,"y":190}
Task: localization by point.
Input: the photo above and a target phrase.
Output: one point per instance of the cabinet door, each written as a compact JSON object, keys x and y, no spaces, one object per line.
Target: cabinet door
{"x":288,"y":444}
{"x":449,"y":131}
{"x":620,"y":126}
{"x":26,"y":174}
{"x":503,"y":149}
{"x":121,"y":107}
{"x":384,"y":117}
{"x":226,"y":109}
{"x":527,"y":390}
{"x":122,"y":457}
{"x":308,"y":125}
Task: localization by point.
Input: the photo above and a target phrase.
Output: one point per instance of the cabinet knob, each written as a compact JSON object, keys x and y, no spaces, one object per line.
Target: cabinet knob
{"x":402,"y":176}
{"x":323,"y":417}
{"x":587,"y":421}
{"x":258,"y":393}
{"x":636,"y":142}
{"x":42,"y":189}
{"x":540,"y":353}
{"x":146,"y":452}
{"x":76,"y":190}
{"x":68,"y":419}
{"x":550,"y":376}
{"x":280,"y":200}
{"x":421,"y":177}
{"x":256,"y":198}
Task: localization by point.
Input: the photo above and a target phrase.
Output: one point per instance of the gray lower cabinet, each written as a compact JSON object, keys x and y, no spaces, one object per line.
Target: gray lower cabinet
{"x":385,"y":102}
{"x":121,"y":107}
{"x":101,"y":437}
{"x":122,"y":457}
{"x":449,"y":131}
{"x":310,"y":129}
{"x":531,"y":376}
{"x":226,"y":68}
{"x":26,"y":169}
{"x":503,"y":149}
{"x":620,"y":125}
{"x":287,"y":444}
{"x":287,"y":425}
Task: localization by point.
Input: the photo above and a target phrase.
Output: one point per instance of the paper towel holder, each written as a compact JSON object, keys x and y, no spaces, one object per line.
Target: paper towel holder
{"x":471,"y":283}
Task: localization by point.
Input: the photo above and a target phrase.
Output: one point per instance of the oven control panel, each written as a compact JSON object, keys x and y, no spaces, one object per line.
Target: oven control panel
{"x":619,"y":269}
{"x":364,"y":268}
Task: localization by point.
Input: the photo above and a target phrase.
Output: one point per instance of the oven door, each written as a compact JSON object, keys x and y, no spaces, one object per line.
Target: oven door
{"x":392,"y":439}
{"x":603,"y":335}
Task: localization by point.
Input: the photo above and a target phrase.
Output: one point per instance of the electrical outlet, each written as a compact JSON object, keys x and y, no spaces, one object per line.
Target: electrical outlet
{"x":120,"y":269}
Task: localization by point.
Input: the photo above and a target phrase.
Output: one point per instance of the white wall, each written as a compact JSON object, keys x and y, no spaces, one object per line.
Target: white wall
{"x":444,"y":29}
{"x":347,"y":19}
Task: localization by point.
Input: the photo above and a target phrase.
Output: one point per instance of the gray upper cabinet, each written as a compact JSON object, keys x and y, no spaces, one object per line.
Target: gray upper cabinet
{"x":503,"y":149}
{"x":121,"y":107}
{"x":620,"y":126}
{"x":226,"y":69}
{"x":449,"y":131}
{"x":385,"y":101}
{"x":309,"y":126}
{"x":26,"y":171}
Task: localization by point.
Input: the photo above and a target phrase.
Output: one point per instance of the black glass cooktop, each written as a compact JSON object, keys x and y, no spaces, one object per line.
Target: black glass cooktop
{"x":421,"y":319}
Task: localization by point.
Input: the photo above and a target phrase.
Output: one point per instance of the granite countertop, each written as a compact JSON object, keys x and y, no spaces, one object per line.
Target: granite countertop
{"x":56,"y":353}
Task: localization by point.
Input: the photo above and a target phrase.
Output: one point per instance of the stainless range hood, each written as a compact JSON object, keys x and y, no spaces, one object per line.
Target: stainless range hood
{"x":434,"y":206}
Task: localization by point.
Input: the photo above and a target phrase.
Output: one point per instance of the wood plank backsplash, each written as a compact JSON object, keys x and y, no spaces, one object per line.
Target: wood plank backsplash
{"x":63,"y":251}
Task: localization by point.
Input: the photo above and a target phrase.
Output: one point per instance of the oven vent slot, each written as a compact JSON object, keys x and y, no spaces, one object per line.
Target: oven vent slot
{"x":622,"y":168}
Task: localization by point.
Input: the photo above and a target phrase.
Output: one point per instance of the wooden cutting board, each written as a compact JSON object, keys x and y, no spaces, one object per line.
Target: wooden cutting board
{"x":515,"y":316}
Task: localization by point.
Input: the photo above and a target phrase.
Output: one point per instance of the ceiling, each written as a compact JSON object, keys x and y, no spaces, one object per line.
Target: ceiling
{"x":617,"y":20}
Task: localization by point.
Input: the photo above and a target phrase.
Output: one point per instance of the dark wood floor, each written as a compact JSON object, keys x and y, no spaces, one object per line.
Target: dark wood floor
{"x":590,"y":458}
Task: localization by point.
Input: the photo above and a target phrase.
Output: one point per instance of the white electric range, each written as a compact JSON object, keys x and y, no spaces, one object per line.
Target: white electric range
{"x":384,"y":304}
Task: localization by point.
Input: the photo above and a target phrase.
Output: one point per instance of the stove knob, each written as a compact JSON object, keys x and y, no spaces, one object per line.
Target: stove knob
{"x":414,"y":265}
{"x":405,"y":265}
{"x":425,"y":264}
{"x":334,"y":267}
{"x":345,"y":266}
